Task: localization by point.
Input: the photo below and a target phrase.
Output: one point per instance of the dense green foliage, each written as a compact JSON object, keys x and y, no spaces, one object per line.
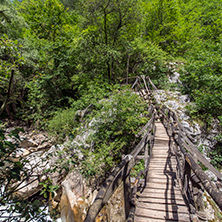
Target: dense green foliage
{"x":59,"y":51}
{"x":203,"y":80}
{"x":59,"y":58}
{"x":51,"y":50}
{"x":105,"y":132}
{"x":116,"y":125}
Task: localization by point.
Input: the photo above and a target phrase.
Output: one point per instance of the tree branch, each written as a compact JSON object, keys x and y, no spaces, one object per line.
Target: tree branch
{"x":9,"y":92}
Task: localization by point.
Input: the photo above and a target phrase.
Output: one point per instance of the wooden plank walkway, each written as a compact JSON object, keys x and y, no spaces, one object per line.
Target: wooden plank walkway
{"x":161,"y":200}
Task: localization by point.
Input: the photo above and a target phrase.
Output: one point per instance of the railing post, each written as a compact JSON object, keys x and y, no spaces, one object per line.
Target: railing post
{"x":127,"y":195}
{"x":146,"y":154}
{"x":127,"y":188}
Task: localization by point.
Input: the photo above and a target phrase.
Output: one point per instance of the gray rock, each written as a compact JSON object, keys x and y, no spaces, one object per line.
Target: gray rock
{"x":172,"y":104}
{"x":160,"y":96}
{"x":211,"y":175}
{"x":184,"y":116}
{"x":73,"y":204}
{"x":174,"y":78}
{"x":184,"y":99}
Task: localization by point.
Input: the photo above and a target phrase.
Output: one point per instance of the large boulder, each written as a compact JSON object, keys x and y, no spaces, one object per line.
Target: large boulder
{"x":76,"y":198}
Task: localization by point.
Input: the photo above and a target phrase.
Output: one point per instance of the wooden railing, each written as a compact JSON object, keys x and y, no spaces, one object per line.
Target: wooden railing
{"x":122,"y":172}
{"x":190,"y":175}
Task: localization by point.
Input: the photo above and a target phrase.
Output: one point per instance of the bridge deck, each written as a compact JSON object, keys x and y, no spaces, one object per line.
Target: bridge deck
{"x":161,"y":200}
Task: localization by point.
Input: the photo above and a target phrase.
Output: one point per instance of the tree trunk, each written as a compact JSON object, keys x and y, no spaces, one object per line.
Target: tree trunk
{"x":9,"y":92}
{"x":127,"y":70}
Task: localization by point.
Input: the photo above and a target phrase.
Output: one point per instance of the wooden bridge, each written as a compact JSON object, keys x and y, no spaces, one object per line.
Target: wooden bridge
{"x":161,"y":199}
{"x":172,"y":184}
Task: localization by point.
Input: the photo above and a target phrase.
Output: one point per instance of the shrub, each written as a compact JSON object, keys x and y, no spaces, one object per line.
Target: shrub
{"x":109,"y":129}
{"x":117,"y":123}
{"x":66,"y":121}
{"x":203,"y":81}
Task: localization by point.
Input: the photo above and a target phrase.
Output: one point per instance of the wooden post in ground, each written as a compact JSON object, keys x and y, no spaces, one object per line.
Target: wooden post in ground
{"x":127,"y":190}
{"x":146,"y":156}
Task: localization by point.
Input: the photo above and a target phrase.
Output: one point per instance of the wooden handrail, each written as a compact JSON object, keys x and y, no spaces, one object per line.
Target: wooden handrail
{"x":108,"y":188}
{"x":120,"y":174}
{"x":184,"y":142}
{"x":190,"y":147}
{"x":210,"y":187}
{"x":186,"y":137}
{"x":174,"y":127}
{"x":144,"y":172}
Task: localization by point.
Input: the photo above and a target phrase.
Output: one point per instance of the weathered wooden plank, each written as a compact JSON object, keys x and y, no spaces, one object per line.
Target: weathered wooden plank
{"x":160,"y":160}
{"x":164,"y":207}
{"x":170,"y":197}
{"x":162,"y":191}
{"x":164,"y":169}
{"x":160,"y":156}
{"x":157,"y":172}
{"x":162,"y":215}
{"x":146,"y":199}
{"x":168,"y":191}
{"x":127,"y":195}
{"x":145,"y":219}
{"x":161,"y":141}
{"x":162,"y":180}
{"x":159,"y":175}
{"x":161,"y":186}
{"x":161,"y":149}
{"x":162,"y":164}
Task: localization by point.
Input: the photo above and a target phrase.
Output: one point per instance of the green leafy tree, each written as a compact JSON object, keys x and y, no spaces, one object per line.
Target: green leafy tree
{"x":11,"y":23}
{"x":202,"y":80}
{"x":10,"y":77}
{"x":52,"y":29}
{"x":162,"y":18}
{"x":12,"y":81}
{"x":203,"y":18}
{"x":46,"y":18}
{"x":116,"y":125}
{"x":108,"y":27}
{"x":70,"y":4}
